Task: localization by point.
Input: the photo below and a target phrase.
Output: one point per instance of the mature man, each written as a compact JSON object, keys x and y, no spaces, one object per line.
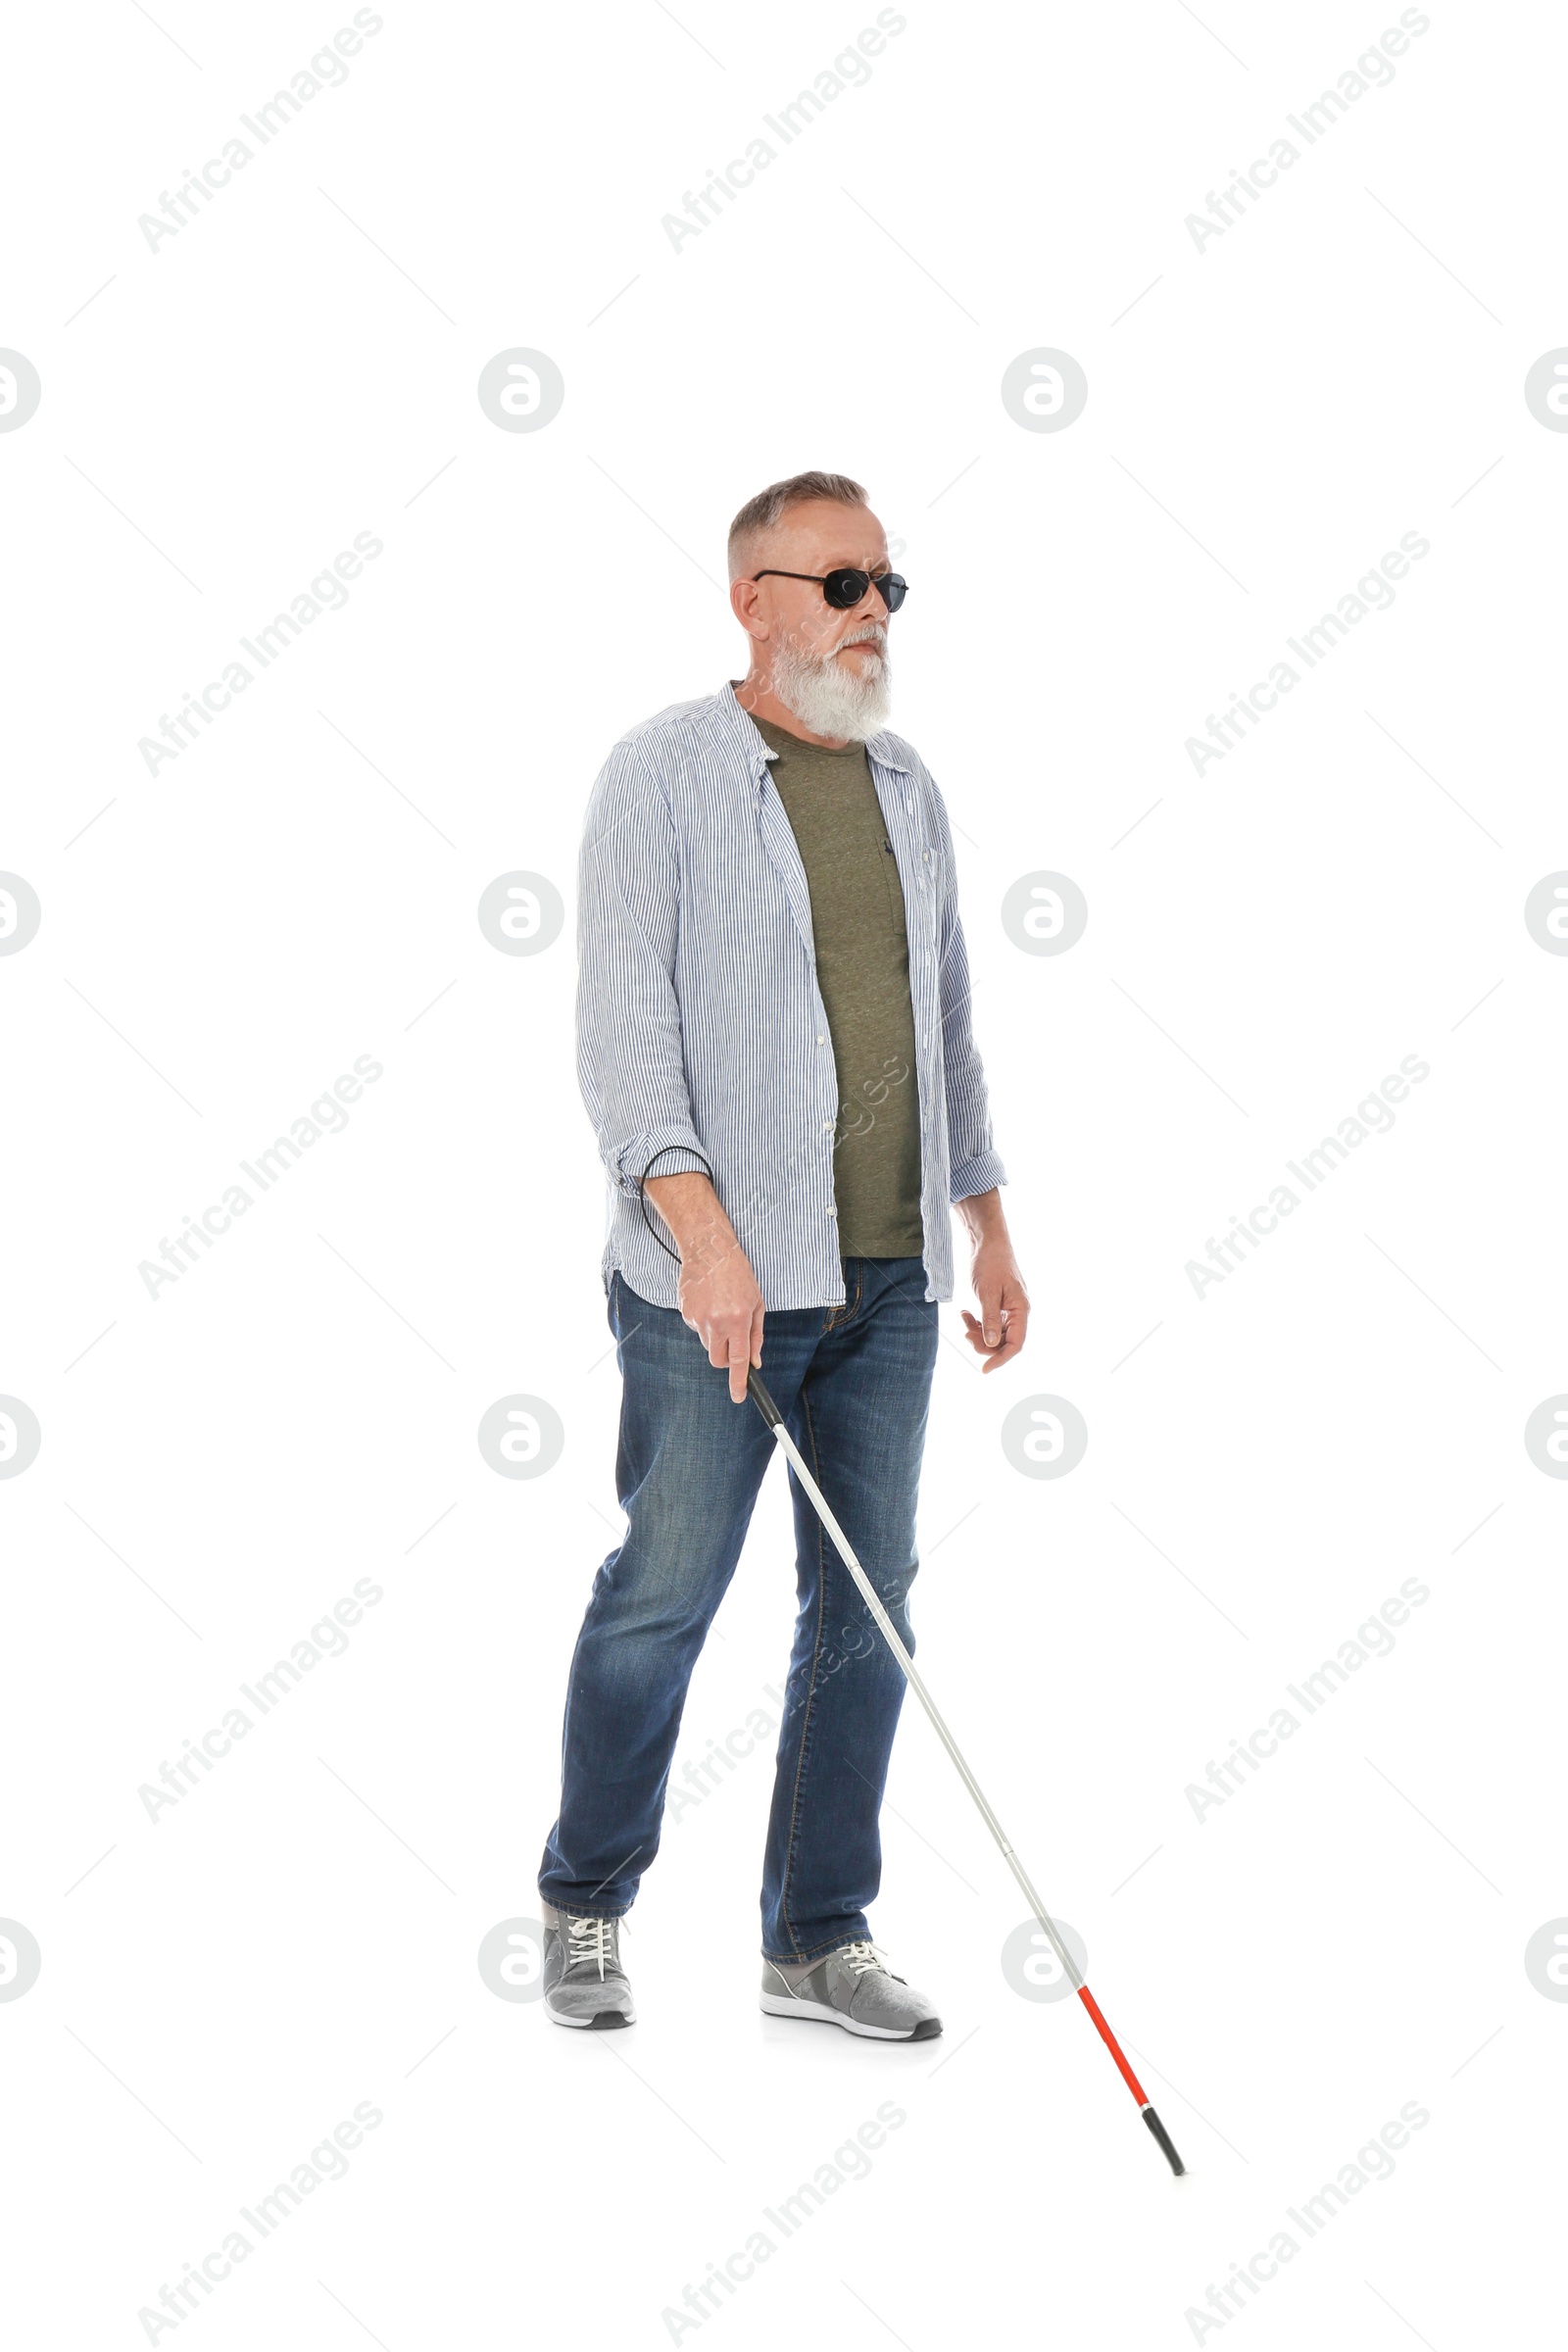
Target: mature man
{"x":774,"y":1047}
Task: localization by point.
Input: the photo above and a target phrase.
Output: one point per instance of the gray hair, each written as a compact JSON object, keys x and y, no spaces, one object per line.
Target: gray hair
{"x":760,"y":514}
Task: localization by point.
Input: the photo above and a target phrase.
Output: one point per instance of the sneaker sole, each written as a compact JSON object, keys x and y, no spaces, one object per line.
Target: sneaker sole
{"x":604,"y":2022}
{"x":776,"y":2004}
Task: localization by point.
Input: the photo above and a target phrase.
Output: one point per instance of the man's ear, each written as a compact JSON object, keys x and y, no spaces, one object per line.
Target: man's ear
{"x":745,"y":602}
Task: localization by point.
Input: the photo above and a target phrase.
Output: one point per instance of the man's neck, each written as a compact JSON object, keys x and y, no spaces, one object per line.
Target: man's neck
{"x":756,"y":696}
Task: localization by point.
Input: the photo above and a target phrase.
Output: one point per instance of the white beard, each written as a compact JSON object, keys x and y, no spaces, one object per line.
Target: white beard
{"x":828,"y":696}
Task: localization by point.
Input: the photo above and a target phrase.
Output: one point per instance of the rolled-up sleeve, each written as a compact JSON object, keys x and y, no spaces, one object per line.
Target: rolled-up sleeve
{"x":974,"y":1165}
{"x":629,"y":1061}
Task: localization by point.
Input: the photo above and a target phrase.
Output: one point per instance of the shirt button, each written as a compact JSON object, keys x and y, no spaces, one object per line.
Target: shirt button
{"x":832,"y":1212}
{"x":828,"y":1126}
{"x":822,"y":1041}
{"x":928,"y":857}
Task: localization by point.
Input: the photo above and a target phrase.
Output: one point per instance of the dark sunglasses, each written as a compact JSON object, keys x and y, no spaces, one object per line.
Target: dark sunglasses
{"x":845,"y":589}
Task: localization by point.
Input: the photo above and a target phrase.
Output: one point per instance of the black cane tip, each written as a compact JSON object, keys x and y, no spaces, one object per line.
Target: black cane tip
{"x":1167,"y":2144}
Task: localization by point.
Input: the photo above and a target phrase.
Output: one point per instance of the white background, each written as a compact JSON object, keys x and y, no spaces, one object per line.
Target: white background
{"x":220,"y":941}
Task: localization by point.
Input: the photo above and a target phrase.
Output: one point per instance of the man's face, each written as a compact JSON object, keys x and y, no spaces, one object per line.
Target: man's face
{"x":818,"y":538}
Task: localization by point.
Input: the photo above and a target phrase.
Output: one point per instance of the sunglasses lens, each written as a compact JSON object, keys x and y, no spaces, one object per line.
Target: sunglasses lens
{"x":845,"y":588}
{"x":894,"y":590}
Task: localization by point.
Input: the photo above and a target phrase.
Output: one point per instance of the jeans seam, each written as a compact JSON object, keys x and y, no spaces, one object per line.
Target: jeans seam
{"x":805,"y":1710}
{"x":845,"y":1313}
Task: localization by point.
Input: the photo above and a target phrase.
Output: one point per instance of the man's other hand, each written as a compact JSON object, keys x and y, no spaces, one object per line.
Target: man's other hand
{"x":997,"y":1333}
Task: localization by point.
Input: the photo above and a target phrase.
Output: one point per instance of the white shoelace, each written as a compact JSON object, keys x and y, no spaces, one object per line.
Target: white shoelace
{"x":859,"y":1958}
{"x":591,"y":1940}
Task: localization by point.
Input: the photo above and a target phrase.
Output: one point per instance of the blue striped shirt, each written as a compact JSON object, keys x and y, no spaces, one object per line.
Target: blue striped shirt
{"x":700,"y":1029}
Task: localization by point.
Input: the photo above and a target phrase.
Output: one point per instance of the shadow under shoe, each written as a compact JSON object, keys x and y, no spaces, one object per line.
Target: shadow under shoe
{"x":585,"y":1984}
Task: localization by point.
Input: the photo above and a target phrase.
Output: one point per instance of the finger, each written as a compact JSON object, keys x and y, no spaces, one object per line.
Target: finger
{"x":722,"y":1337}
{"x":991,"y":1314}
{"x":722,"y":1340}
{"x":738,"y":1365}
{"x":1013,"y":1321}
{"x":758,"y":1319}
{"x":1008,"y":1349}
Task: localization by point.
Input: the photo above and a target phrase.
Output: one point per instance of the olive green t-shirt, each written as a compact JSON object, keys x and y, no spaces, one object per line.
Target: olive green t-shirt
{"x":862,"y":971}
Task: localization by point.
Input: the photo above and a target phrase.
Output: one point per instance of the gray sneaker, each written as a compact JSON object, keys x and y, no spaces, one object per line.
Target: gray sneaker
{"x":585,"y":1984}
{"x":851,"y":1988}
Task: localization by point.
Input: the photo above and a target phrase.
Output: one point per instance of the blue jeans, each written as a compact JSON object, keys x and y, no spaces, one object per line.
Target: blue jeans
{"x":853,"y":1383}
